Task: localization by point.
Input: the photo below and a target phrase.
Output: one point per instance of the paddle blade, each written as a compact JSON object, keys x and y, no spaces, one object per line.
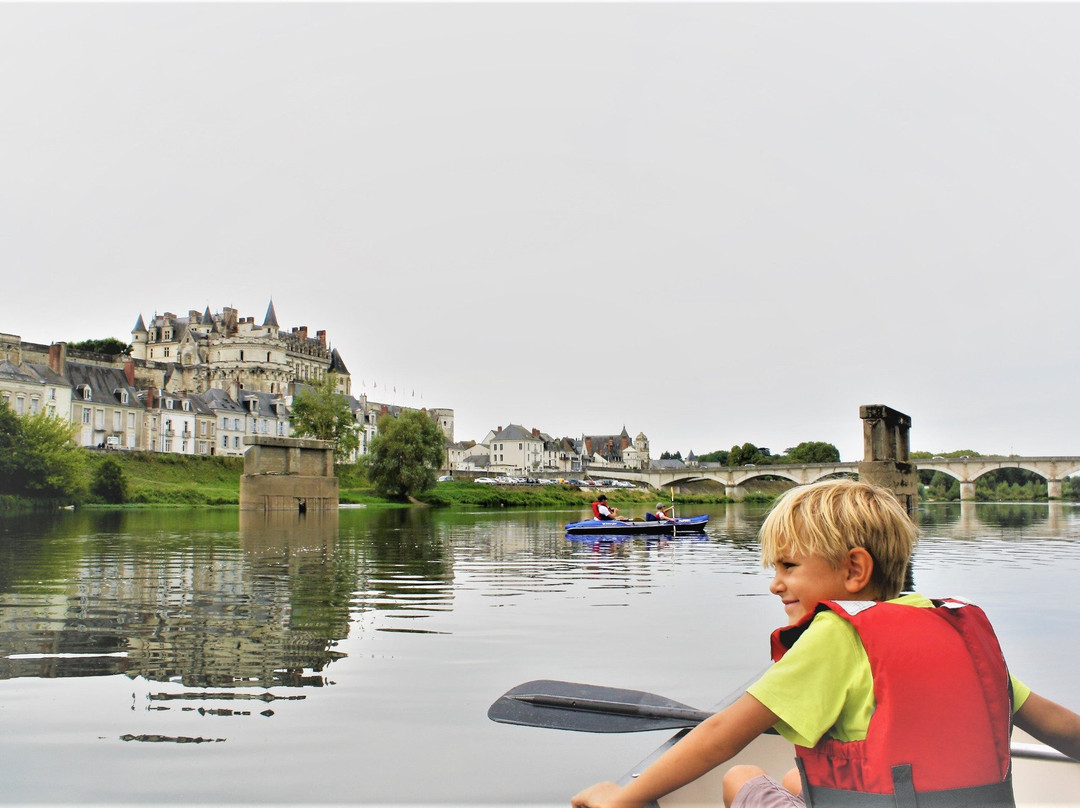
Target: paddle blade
{"x":590,"y":708}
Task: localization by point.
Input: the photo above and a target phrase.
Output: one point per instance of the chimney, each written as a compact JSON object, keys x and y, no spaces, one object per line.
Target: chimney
{"x":321,"y":336}
{"x":58,"y":357}
{"x":302,"y":331}
{"x":536,"y":432}
{"x":129,"y":372}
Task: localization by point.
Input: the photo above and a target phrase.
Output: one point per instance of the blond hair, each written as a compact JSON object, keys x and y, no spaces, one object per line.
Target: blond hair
{"x":832,"y":517}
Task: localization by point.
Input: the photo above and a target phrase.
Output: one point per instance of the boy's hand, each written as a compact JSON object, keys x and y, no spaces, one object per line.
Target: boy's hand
{"x":601,"y":795}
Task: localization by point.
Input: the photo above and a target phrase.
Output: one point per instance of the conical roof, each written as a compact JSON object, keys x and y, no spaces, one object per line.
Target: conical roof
{"x":271,"y":315}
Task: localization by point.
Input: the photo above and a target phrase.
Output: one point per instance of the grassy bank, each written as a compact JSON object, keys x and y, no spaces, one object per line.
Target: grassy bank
{"x":171,"y":479}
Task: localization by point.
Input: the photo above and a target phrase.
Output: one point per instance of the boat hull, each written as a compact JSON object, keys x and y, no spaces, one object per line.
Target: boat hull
{"x":1036,"y":782}
{"x":603,"y":527}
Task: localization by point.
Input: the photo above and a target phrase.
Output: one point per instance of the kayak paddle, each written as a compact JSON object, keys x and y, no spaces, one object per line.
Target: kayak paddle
{"x":552,"y":704}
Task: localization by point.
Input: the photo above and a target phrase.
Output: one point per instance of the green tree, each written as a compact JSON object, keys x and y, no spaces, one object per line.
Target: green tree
{"x":404,"y":458}
{"x":38,"y":457}
{"x":320,"y":411}
{"x":109,"y":346}
{"x":109,"y":482}
{"x":814,"y":451}
{"x":746,"y":454}
{"x":719,"y":456}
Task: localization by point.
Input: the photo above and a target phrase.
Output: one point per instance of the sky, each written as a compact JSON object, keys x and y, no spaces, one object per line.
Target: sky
{"x":714,"y":223}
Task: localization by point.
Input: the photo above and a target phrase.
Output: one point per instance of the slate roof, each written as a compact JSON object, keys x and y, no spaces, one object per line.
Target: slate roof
{"x":104,"y":383}
{"x":218,"y":400}
{"x":337,"y":364}
{"x":515,"y":432}
{"x":11,"y":372}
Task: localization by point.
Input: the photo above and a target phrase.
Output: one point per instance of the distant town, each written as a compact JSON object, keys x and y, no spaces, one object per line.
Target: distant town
{"x":199,"y":384}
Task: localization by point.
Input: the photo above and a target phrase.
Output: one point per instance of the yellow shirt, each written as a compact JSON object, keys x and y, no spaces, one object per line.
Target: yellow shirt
{"x":823,"y":685}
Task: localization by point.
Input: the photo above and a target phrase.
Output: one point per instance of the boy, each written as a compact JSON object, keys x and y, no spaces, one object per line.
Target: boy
{"x":883,"y":700}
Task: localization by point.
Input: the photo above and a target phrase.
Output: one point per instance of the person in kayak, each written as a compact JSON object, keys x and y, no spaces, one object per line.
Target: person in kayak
{"x":601,"y":510}
{"x":890,"y":699}
{"x":662,"y":514}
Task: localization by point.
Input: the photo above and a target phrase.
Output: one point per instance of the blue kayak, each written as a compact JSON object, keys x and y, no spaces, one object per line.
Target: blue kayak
{"x":687,"y":524}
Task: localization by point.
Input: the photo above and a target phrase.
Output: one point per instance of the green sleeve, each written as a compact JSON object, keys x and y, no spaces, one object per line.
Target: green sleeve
{"x":822,"y":685}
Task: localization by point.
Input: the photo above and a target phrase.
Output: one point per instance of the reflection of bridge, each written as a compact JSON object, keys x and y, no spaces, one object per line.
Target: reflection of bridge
{"x":965,"y":469}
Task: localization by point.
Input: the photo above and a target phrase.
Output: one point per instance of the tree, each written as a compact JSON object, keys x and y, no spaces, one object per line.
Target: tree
{"x":814,"y":451}
{"x":38,"y":457}
{"x":404,"y":458}
{"x":747,"y":454}
{"x":320,"y":411}
{"x":109,"y":346}
{"x":109,"y":482}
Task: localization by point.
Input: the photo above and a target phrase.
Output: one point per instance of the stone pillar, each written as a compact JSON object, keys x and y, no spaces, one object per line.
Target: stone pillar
{"x":1053,"y":489}
{"x":735,"y":492}
{"x":886,"y":453}
{"x":967,"y":491}
{"x":288,"y":474}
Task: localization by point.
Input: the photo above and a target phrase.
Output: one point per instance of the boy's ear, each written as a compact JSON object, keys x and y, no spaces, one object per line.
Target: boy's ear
{"x":859,"y":570}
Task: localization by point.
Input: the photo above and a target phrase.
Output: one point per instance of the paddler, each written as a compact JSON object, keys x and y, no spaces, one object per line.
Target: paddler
{"x":891,"y":700}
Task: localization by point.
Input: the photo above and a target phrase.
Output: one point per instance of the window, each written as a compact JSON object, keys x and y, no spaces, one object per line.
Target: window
{"x":20,"y":404}
{"x":123,"y":396}
{"x":99,"y":419}
{"x":116,"y":420}
{"x":165,"y":351}
{"x":131,"y":420}
{"x":224,"y":441}
{"x":224,"y":422}
{"x":169,"y":404}
{"x":236,"y":423}
{"x":236,"y":442}
{"x":185,"y":405}
{"x":86,"y":415}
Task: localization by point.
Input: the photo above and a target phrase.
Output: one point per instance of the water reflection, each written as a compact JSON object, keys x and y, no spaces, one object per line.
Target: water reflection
{"x":343,"y":627}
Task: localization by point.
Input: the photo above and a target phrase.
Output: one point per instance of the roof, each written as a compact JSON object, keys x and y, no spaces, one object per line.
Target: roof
{"x":217,"y":399}
{"x":337,"y":364}
{"x":515,"y":432}
{"x":271,"y":315}
{"x":103,"y":382}
{"x":46,"y":374}
{"x":11,"y":372}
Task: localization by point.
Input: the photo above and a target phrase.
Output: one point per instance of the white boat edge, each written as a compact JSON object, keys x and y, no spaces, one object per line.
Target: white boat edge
{"x":1037,"y":783}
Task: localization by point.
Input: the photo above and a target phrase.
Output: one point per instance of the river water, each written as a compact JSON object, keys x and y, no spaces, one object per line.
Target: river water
{"x":212,"y":657}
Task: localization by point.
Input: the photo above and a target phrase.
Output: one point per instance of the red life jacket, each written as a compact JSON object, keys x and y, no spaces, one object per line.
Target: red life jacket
{"x":596,"y":510}
{"x":942,"y":715}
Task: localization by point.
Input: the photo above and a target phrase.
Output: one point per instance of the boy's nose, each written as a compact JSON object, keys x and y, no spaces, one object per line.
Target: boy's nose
{"x":775,"y":586}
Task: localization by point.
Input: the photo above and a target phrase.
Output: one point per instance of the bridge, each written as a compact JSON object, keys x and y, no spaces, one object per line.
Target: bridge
{"x":734,"y":478}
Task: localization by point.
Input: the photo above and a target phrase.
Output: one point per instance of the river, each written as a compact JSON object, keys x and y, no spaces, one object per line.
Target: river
{"x":213,"y":657}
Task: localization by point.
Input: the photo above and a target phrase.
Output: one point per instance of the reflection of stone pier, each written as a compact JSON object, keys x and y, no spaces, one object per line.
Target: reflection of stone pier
{"x":288,"y":474}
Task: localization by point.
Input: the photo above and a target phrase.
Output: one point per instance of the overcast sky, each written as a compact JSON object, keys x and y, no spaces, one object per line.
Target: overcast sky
{"x":711,"y":223}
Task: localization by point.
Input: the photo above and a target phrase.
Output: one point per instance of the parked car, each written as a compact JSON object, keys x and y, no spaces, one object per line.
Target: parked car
{"x":484,"y":481}
{"x":446,"y":478}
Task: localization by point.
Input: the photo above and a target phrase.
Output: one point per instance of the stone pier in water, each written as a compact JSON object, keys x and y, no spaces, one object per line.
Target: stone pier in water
{"x":288,"y":474}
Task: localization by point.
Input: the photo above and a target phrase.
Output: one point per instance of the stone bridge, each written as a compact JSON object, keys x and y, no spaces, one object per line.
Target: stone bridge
{"x":965,"y":469}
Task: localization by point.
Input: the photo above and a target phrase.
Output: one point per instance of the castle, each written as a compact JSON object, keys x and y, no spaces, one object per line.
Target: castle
{"x":198,"y":384}
{"x":226,"y":352}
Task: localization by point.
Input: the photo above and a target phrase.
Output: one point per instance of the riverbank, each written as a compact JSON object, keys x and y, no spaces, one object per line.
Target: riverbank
{"x":185,"y":480}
